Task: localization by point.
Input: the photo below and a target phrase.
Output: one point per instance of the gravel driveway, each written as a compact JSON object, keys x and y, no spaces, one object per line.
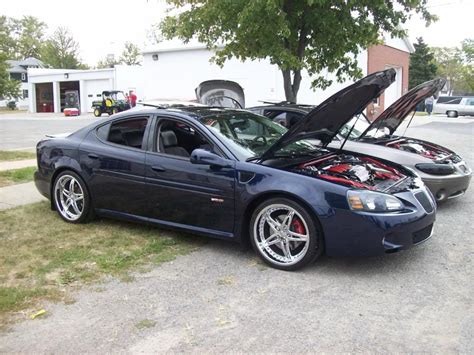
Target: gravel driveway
{"x":222,"y":299}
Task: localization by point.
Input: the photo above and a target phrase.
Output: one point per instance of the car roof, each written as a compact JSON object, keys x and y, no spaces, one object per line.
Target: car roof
{"x":192,"y":111}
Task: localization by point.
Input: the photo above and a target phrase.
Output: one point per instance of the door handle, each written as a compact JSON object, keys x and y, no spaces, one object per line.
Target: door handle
{"x":158,"y":168}
{"x":93,"y":156}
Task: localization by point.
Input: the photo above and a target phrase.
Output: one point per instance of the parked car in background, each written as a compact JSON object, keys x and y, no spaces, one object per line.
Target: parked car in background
{"x":239,"y":176}
{"x":454,"y":106}
{"x":444,"y":172}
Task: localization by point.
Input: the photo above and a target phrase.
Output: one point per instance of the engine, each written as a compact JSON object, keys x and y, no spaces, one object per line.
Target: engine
{"x":359,"y":172}
{"x":427,"y":150}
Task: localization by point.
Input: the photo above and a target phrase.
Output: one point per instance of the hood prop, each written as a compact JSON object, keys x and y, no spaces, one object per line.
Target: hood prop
{"x":409,"y":123}
{"x":349,"y":134}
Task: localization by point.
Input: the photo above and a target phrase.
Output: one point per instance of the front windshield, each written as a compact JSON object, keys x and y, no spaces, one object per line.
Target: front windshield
{"x":118,"y":96}
{"x":248,"y":135}
{"x":361,"y":125}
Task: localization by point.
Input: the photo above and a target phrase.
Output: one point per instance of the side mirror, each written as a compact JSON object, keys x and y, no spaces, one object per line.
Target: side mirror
{"x":204,"y":157}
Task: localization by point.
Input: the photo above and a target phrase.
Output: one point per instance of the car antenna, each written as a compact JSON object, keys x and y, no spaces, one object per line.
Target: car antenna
{"x":348,"y":134}
{"x":409,"y":123}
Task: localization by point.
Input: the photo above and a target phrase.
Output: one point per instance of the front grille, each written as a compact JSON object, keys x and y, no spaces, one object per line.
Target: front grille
{"x":422,"y":234}
{"x":424,"y":200}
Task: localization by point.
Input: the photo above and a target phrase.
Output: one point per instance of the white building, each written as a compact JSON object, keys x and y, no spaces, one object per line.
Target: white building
{"x":173,"y":71}
{"x":47,"y":87}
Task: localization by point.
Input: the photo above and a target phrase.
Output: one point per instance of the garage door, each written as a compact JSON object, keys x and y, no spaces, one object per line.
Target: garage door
{"x":394,"y":91}
{"x":94,"y":90}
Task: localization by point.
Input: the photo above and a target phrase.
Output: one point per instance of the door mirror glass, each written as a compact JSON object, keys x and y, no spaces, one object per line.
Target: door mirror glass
{"x":204,"y":157}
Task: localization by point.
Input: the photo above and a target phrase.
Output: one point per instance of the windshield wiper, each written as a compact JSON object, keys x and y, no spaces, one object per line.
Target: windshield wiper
{"x":293,"y":155}
{"x":253,"y":158}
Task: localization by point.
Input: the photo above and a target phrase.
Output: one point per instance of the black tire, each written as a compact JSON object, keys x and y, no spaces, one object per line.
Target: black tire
{"x":97,"y":112}
{"x":84,"y":204}
{"x":307,"y":254}
{"x":452,"y":114}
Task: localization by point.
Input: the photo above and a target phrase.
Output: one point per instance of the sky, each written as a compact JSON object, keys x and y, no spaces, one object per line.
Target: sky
{"x":102,"y":27}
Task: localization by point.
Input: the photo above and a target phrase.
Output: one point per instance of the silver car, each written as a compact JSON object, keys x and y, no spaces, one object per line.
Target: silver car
{"x":454,"y":106}
{"x":443,"y":171}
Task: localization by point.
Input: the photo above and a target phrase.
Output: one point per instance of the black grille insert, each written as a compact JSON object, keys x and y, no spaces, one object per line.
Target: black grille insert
{"x":422,"y":234}
{"x":424,"y":200}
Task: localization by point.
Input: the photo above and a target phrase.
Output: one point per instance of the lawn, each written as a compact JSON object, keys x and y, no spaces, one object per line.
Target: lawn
{"x":8,"y":155}
{"x":44,"y":257}
{"x":17,"y":176}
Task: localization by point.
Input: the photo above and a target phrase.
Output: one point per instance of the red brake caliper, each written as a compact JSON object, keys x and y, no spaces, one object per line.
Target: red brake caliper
{"x":297,"y":226}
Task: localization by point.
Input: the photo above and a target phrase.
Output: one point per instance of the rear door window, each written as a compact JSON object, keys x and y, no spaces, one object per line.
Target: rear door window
{"x":449,"y":100}
{"x":129,"y":132}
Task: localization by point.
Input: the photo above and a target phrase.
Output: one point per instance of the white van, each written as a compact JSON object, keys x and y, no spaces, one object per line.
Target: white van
{"x":454,"y":106}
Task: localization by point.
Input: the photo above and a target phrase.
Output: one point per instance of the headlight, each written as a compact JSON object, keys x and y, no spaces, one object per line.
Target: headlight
{"x":362,"y":200}
{"x":435,"y":169}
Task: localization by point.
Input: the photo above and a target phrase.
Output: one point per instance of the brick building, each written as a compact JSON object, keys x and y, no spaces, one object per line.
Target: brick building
{"x":385,"y":56}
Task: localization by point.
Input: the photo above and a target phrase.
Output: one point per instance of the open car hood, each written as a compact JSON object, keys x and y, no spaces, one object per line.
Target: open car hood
{"x":394,"y":115}
{"x":324,"y":121}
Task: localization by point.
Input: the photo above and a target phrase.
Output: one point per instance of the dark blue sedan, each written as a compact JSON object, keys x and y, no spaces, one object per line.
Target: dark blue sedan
{"x":235,"y":175}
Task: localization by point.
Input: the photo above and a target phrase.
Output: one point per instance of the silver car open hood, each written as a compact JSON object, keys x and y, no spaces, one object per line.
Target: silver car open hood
{"x":394,"y":115}
{"x":324,"y":121}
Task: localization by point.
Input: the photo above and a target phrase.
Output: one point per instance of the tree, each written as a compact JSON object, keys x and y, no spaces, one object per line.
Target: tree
{"x":295,"y":35}
{"x":21,"y":38}
{"x":7,"y":41}
{"x":107,"y":62}
{"x":422,"y":65}
{"x":467,"y":48}
{"x":9,"y":89}
{"x":30,"y":32}
{"x":61,"y":51}
{"x":454,"y":64}
{"x":131,"y":54}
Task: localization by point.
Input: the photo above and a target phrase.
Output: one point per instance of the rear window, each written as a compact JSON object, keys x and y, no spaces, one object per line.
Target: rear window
{"x":449,"y":100}
{"x":129,"y":132}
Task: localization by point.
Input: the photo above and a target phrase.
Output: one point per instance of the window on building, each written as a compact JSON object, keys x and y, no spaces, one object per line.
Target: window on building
{"x":25,"y":93}
{"x":128,"y":132}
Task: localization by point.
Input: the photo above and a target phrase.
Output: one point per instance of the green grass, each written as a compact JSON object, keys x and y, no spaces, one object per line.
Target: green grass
{"x":145,"y":323}
{"x":41,"y":255}
{"x":9,"y":155}
{"x":17,"y":176}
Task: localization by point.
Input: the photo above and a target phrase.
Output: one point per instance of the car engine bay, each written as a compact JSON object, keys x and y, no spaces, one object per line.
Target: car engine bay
{"x":427,"y":150}
{"x":350,"y":170}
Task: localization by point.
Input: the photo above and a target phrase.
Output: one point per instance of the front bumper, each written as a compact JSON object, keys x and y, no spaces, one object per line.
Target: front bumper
{"x":349,"y":233}
{"x":450,"y":186}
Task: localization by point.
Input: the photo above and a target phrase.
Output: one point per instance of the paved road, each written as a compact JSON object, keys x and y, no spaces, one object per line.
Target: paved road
{"x":23,"y":131}
{"x":220,"y":299}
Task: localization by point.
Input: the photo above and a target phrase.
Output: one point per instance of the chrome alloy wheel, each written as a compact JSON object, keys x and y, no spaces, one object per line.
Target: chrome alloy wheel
{"x":69,"y":197}
{"x":281,"y":234}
